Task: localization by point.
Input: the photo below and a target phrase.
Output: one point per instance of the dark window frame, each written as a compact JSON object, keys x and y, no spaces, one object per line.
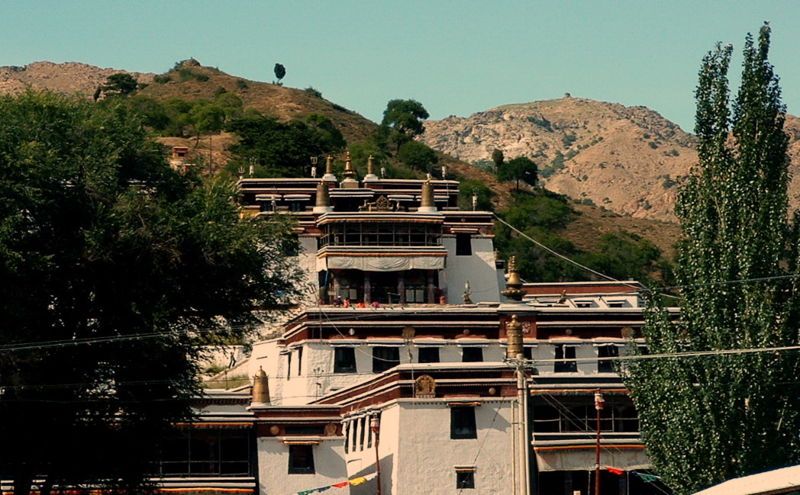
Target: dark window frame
{"x":563,"y":351}
{"x":465,"y":480}
{"x":298,"y":454}
{"x":344,"y":360}
{"x":383,"y":358}
{"x":463,"y":244}
{"x":471,"y":354}
{"x":463,"y":423}
{"x":429,"y":355}
{"x":605,"y":351}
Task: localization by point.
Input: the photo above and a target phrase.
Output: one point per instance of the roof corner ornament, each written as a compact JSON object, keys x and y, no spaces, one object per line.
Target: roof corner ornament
{"x":427,"y":204}
{"x":514,"y":339}
{"x":370,"y":170}
{"x":329,"y":177}
{"x":260,"y":396}
{"x":514,"y":282}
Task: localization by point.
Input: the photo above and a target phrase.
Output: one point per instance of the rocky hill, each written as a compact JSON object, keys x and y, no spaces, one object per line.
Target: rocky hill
{"x":626,"y":159}
{"x":68,"y":78}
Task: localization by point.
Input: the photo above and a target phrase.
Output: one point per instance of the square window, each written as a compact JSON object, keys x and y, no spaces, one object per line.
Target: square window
{"x":567,"y":353}
{"x":301,"y":459}
{"x":428,"y":355}
{"x":463,"y":244}
{"x":344,"y":360}
{"x":465,"y":479}
{"x":606,"y":351}
{"x":384,"y":358}
{"x":462,"y":423}
{"x":471,"y":355}
{"x":527,"y":352}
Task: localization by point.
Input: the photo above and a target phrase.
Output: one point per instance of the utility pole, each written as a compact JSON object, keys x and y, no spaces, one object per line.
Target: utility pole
{"x":515,"y":357}
{"x":599,"y":404}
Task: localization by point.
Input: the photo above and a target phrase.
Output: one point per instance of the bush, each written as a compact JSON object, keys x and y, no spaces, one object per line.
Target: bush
{"x":241,"y":84}
{"x":467,"y":188}
{"x":313,"y":92}
{"x":162,"y":78}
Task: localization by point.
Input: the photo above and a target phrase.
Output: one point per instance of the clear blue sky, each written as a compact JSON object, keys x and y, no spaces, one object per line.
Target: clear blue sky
{"x":455,"y":57}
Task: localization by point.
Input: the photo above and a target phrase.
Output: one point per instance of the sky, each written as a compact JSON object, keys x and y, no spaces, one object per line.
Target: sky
{"x":456,"y":57}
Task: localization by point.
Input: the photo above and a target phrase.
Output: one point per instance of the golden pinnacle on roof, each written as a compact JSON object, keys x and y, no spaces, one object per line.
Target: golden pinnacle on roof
{"x":514,"y":338}
{"x":329,"y":165}
{"x":349,"y":173}
{"x":426,"y":204}
{"x":514,"y":282}
{"x":370,"y":165}
{"x":323,"y":196}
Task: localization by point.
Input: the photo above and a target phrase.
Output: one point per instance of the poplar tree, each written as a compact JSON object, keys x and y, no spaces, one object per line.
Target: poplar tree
{"x":711,"y":418}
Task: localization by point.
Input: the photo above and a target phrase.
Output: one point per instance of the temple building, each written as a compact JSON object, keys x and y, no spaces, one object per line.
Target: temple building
{"x":420,"y":362}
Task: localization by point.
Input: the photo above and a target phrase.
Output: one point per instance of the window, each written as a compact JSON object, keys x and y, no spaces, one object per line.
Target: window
{"x":428,"y":354}
{"x":361,"y":432}
{"x":463,"y":244}
{"x":344,"y":360}
{"x":527,"y":351}
{"x":289,"y":365}
{"x":471,"y":355}
{"x":299,"y":361}
{"x":462,"y":423}
{"x":566,"y":352}
{"x":384,"y":358}
{"x":465,"y":479}
{"x":301,"y":459}
{"x":206,"y":452}
{"x":606,"y":351}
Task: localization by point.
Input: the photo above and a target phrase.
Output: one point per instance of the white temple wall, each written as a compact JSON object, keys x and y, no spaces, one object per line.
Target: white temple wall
{"x":478,"y":268}
{"x":273,"y":467}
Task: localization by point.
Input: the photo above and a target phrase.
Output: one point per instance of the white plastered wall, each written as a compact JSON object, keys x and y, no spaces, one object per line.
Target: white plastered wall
{"x":478,"y":268}
{"x":273,"y":467}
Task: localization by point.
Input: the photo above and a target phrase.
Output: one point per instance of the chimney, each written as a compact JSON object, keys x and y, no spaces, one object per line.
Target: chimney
{"x":323,"y":203}
{"x":426,"y":204}
{"x":260,"y":395}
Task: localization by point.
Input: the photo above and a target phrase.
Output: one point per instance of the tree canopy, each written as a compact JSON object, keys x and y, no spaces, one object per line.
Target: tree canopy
{"x":121,"y":83}
{"x":114,"y":270}
{"x":708,"y":419}
{"x":280,"y":72}
{"x":417,"y":156}
{"x":518,"y":169}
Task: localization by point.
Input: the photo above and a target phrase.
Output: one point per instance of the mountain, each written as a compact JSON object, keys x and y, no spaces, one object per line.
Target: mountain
{"x":625,"y":159}
{"x":189,"y":80}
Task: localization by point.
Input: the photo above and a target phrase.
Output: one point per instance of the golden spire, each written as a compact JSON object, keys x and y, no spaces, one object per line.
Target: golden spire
{"x":329,"y":165}
{"x":260,"y":389}
{"x":514,"y":282}
{"x":427,"y":204}
{"x":514,"y":338}
{"x":349,"y":173}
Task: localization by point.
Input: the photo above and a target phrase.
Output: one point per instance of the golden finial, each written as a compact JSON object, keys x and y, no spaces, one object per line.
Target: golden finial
{"x":514,"y":338}
{"x":260,"y":389}
{"x":349,"y":173}
{"x":370,"y":166}
{"x":329,"y":165}
{"x":514,"y":282}
{"x":426,"y":200}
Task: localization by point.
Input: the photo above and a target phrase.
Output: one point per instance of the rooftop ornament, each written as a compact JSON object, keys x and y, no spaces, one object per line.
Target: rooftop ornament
{"x":370,"y":170}
{"x":514,"y":336}
{"x":426,"y":203}
{"x":323,"y":203}
{"x":349,"y":174}
{"x":329,"y":177}
{"x":514,"y":283}
{"x":260,"y":389}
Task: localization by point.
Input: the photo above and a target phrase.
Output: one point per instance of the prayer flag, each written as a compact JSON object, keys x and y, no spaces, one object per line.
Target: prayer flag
{"x":617,"y":471}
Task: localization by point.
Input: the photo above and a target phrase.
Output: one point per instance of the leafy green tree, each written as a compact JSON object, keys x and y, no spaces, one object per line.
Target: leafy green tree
{"x":331,"y":136}
{"x":417,"y":156}
{"x":120,"y":83}
{"x":127,"y":269}
{"x":402,"y":120}
{"x":708,"y":419}
{"x":207,"y":117}
{"x":280,"y":72}
{"x":468,"y":187}
{"x":519,"y":169}
{"x":498,"y":158}
{"x":625,"y":256}
{"x":279,"y":149}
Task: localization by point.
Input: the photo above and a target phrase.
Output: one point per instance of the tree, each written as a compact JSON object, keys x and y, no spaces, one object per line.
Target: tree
{"x":708,"y":419}
{"x":402,"y":120}
{"x":498,"y":158}
{"x":417,"y":156}
{"x":126,"y":268}
{"x":120,"y":83}
{"x":280,"y":72}
{"x":519,"y":169}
